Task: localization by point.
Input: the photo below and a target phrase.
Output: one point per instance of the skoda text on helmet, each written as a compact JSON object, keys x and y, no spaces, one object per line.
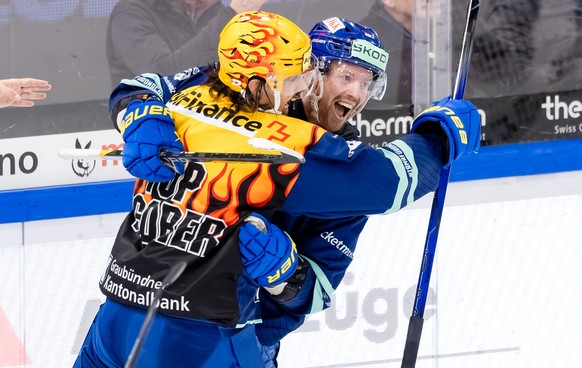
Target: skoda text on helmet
{"x":266,"y":45}
{"x":336,"y":39}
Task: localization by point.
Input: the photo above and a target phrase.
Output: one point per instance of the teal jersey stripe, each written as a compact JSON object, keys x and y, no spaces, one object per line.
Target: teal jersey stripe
{"x":322,"y":285}
{"x":402,"y":158}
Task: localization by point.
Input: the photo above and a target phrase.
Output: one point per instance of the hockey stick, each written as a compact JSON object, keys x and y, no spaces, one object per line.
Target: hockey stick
{"x":283,"y":156}
{"x":417,"y":318}
{"x":169,"y":279}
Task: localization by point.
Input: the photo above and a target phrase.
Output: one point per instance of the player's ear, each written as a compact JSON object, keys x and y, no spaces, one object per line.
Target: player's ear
{"x":260,"y":92}
{"x":254,"y":86}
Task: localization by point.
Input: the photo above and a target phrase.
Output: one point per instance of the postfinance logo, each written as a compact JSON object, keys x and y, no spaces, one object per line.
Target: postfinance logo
{"x":192,"y":104}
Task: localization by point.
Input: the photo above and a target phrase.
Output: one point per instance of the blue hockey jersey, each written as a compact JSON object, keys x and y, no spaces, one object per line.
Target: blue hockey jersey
{"x":195,"y":217}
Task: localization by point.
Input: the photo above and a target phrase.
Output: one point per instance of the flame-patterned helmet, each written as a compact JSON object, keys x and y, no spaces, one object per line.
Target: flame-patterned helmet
{"x":261,"y":44}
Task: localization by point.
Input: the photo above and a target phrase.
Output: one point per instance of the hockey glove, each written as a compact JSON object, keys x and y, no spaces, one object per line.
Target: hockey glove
{"x":459,"y":120}
{"x":147,"y":128}
{"x":268,"y":254}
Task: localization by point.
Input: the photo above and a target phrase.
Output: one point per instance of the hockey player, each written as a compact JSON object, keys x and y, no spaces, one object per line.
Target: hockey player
{"x":340,"y":46}
{"x":208,"y":313}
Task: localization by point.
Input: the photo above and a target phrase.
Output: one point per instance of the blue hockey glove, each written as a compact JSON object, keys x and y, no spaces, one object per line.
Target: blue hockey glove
{"x":459,"y":120}
{"x":268,"y":254}
{"x":147,"y":128}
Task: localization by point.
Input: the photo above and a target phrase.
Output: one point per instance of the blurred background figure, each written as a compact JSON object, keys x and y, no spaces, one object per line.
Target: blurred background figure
{"x":558,"y":61}
{"x":504,"y":48}
{"x":392,"y":19}
{"x":523,"y":47}
{"x":523,"y":50}
{"x":166,"y":36}
{"x":22,"y":92}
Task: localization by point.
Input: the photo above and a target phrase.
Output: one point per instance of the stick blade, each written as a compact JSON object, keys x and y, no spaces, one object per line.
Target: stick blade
{"x":267,"y":145}
{"x":88,"y":154}
{"x":73,"y":153}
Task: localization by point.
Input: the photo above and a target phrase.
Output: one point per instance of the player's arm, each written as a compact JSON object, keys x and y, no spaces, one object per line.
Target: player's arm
{"x":385,"y":179}
{"x":138,"y":110}
{"x":151,"y":86}
{"x":269,"y":255}
{"x":325,"y":249}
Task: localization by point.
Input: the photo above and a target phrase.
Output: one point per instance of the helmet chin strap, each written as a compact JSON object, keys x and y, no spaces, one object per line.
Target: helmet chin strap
{"x":276,"y":104}
{"x":271,"y":83}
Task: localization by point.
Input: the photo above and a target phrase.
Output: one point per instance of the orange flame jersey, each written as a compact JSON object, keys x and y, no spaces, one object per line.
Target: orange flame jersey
{"x":225,"y":190}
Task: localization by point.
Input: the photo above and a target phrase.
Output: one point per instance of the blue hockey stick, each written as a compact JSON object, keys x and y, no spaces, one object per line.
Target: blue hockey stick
{"x":417,"y":318}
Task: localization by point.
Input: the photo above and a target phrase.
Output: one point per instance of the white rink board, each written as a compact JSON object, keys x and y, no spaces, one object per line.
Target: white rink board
{"x":505,"y":279}
{"x":32,"y":162}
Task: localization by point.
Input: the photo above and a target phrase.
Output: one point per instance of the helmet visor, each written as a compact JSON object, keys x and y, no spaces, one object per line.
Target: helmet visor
{"x":358,"y":78}
{"x":378,"y":87}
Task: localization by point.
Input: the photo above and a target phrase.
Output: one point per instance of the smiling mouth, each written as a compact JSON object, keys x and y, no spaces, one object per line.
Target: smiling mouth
{"x":342,"y":109}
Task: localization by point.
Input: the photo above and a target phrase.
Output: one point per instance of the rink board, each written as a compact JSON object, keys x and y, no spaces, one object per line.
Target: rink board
{"x":502,"y":292}
{"x":64,"y":188}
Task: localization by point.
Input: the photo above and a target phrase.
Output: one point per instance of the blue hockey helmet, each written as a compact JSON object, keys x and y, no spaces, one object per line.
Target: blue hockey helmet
{"x":338,"y":39}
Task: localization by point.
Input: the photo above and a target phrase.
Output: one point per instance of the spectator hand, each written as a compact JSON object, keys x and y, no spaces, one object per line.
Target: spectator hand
{"x":459,"y":120}
{"x":21,"y":92}
{"x":241,"y":6}
{"x":268,"y":254}
{"x":147,"y":128}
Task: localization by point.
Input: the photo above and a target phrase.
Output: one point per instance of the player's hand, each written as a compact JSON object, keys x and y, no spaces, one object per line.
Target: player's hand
{"x":459,"y":120}
{"x":147,"y":128}
{"x":268,"y":254}
{"x":241,"y":6}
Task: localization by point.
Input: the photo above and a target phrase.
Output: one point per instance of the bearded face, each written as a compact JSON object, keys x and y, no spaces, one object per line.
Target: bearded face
{"x":346,"y":89}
